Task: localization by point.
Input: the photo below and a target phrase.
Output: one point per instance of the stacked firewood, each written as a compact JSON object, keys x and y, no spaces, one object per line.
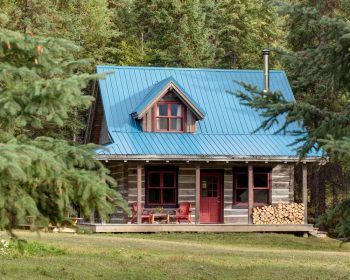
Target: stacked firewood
{"x":281,"y":214}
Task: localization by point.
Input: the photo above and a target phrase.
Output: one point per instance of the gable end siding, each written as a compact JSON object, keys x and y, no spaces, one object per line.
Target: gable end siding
{"x":147,"y":122}
{"x":97,"y":131}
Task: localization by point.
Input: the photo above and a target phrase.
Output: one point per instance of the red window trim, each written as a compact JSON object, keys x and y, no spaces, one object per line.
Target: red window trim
{"x":169,"y":117}
{"x":268,"y":188}
{"x":161,"y":187}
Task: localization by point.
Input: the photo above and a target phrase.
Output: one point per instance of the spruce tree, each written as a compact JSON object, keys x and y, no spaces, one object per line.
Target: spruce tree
{"x":173,"y":32}
{"x":41,"y":176}
{"x":242,"y":29}
{"x":319,"y":66}
{"x":87,"y":23}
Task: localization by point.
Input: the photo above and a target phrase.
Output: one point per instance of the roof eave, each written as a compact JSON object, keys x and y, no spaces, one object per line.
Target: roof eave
{"x":197,"y":158}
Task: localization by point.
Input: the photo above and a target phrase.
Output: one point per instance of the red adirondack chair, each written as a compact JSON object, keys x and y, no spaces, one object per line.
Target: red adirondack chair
{"x":145,"y":215}
{"x":183,"y":213}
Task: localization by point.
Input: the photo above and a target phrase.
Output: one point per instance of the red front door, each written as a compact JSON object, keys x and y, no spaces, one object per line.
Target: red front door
{"x":210,"y":204}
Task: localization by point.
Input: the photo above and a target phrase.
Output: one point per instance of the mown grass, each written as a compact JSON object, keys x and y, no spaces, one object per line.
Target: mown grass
{"x":178,"y":256}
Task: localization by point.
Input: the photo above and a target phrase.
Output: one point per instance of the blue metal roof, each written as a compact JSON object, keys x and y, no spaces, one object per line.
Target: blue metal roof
{"x":226,"y":129}
{"x":157,"y":89}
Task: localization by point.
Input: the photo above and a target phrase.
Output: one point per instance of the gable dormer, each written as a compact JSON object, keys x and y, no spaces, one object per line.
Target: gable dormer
{"x":167,"y":107}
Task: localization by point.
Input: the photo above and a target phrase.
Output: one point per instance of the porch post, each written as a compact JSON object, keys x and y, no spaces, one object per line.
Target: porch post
{"x":139,"y":193}
{"x":305,"y":192}
{"x":250,"y":193}
{"x":92,"y":216}
{"x":198,"y":193}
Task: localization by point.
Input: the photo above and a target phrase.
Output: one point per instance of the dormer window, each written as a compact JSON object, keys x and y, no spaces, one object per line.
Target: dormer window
{"x":169,"y":116}
{"x":167,"y":107}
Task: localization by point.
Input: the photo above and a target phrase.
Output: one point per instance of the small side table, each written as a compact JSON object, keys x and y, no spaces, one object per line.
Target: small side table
{"x":160,"y":216}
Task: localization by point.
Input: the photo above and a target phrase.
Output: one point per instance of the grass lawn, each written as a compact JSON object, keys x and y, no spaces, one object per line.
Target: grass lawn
{"x":177,"y":256}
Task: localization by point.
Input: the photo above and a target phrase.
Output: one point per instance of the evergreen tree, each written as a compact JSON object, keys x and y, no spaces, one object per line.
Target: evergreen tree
{"x":173,"y":33}
{"x":88,"y":23}
{"x":243,"y":29}
{"x":41,"y":176}
{"x":320,"y":68}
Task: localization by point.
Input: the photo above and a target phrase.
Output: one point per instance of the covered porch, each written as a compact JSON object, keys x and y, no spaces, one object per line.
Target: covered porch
{"x":131,"y":176}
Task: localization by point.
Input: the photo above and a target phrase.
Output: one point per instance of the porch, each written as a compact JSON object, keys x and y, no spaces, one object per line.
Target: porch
{"x":133,"y":180}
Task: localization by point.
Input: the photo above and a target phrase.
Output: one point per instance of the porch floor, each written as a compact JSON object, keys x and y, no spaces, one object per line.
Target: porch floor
{"x":120,"y":228}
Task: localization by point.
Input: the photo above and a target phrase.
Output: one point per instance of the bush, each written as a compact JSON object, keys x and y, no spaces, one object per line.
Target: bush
{"x":337,"y":221}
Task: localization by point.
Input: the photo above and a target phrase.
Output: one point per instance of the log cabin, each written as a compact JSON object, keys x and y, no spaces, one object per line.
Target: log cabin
{"x":177,"y":135}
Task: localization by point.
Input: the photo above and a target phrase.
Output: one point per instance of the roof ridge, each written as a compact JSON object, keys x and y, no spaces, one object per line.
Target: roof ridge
{"x":187,"y":69}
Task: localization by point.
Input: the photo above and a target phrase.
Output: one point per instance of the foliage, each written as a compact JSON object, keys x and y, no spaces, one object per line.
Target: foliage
{"x":337,"y":220}
{"x":195,"y":33}
{"x":41,"y":176}
{"x":4,"y":247}
{"x":85,"y":22}
{"x":243,"y":29}
{"x":173,"y":32}
{"x":15,"y":248}
{"x":319,"y":65}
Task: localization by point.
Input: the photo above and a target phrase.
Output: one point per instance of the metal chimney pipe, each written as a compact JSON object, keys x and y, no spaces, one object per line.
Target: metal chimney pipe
{"x":266,"y":54}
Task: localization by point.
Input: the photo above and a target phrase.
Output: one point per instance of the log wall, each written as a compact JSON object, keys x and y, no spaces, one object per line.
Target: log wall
{"x":119,"y":171}
{"x":282,"y":183}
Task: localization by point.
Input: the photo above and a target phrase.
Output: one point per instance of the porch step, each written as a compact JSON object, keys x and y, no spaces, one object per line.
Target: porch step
{"x":317,"y":233}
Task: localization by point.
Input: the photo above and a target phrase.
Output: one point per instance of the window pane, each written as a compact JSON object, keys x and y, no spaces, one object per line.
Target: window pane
{"x":154,"y":195}
{"x":260,"y":180}
{"x":261,"y":196}
{"x":175,"y":110}
{"x":242,"y":180}
{"x":242,"y":196}
{"x":162,"y":110}
{"x":162,"y":123}
{"x":168,"y":180}
{"x":154,"y":180}
{"x":168,"y":196}
{"x":176,"y":124}
{"x":204,"y":193}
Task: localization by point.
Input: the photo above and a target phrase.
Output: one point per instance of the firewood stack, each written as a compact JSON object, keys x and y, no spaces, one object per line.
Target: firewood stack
{"x":281,"y":214}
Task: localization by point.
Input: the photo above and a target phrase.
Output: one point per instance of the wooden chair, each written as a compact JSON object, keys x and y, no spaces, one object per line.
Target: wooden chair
{"x":183,"y":213}
{"x":145,"y":215}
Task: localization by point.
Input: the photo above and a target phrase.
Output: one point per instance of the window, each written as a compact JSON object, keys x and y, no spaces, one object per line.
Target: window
{"x":242,"y":187}
{"x":261,"y":186}
{"x":169,"y":116}
{"x":161,"y":188}
{"x":209,"y":186}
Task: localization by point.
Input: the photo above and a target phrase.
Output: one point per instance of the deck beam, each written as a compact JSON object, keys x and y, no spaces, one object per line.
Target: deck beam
{"x":195,"y":228}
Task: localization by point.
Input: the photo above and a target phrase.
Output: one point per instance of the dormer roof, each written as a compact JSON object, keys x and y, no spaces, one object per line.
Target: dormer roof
{"x":159,"y":90}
